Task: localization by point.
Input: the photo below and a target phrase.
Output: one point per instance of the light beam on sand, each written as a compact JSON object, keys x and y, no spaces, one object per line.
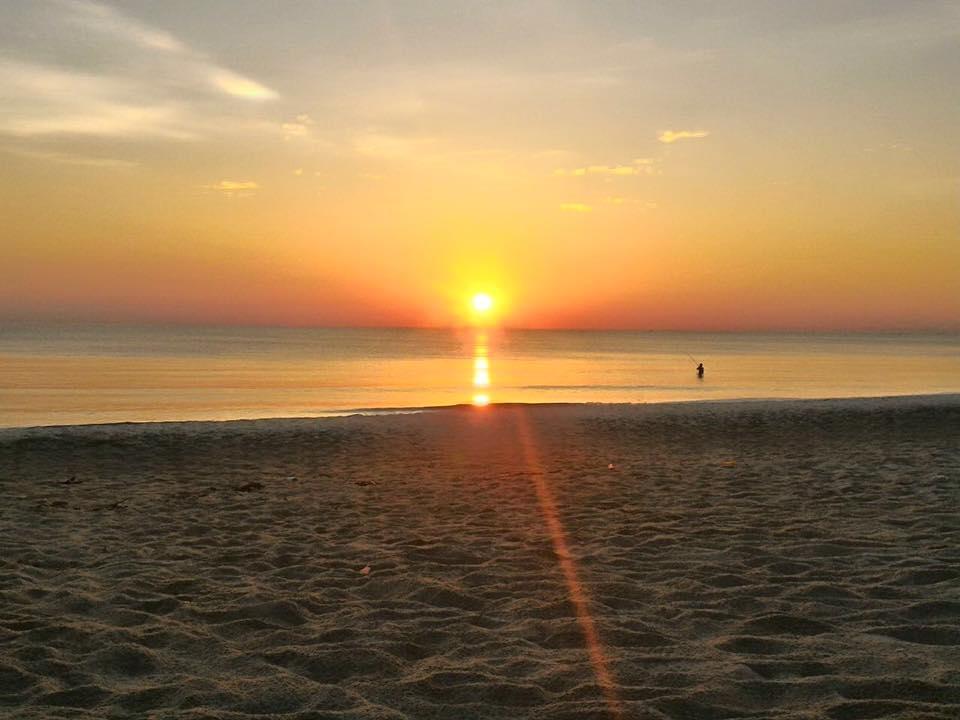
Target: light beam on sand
{"x":548,"y":507}
{"x":568,"y":566}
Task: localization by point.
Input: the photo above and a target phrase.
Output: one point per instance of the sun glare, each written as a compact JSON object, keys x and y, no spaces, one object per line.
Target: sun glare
{"x":482,"y":303}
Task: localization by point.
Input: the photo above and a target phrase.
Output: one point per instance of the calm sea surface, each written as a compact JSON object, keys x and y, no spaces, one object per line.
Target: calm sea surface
{"x":52,"y":375}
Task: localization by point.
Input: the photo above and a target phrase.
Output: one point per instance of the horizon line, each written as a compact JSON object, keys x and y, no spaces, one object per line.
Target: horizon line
{"x":894,"y":329}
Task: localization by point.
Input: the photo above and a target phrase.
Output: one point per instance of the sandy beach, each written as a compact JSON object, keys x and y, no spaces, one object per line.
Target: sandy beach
{"x":687,"y":561}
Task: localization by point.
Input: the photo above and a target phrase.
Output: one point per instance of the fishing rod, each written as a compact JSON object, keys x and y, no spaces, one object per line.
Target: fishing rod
{"x":699,"y":365}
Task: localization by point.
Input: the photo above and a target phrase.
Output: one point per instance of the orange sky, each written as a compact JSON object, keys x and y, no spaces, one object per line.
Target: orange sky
{"x":638,"y":166}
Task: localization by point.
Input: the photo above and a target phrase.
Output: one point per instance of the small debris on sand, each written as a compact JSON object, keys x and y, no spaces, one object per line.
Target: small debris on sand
{"x":249,"y":487}
{"x":118,"y":505}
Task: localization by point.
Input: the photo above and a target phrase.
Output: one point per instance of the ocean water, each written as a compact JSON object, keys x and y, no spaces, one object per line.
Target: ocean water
{"x":60,"y":374}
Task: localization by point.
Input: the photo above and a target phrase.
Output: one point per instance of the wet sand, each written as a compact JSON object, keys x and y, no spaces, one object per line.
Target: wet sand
{"x":704,"y":560}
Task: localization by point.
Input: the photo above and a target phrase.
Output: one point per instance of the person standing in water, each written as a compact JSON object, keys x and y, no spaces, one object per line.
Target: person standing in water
{"x":700,"y":371}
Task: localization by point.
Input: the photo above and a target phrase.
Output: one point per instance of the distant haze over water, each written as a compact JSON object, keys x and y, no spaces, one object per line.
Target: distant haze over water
{"x":52,"y":374}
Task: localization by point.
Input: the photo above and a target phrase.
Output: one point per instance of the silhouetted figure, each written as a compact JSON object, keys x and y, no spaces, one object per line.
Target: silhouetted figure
{"x":700,"y":370}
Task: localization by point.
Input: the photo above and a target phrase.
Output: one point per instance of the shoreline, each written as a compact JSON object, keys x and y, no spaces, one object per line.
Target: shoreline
{"x":864,"y":403}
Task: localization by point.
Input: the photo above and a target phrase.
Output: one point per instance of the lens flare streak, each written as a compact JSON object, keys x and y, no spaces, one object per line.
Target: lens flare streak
{"x":578,"y":594}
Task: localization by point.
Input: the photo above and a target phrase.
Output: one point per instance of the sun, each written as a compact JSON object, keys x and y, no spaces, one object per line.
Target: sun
{"x":482,"y":303}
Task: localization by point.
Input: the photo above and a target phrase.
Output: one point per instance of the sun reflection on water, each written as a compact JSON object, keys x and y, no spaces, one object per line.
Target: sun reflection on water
{"x":481,"y":371}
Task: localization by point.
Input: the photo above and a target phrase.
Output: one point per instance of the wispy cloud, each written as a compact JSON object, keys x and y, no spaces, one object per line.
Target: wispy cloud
{"x":598,"y":170}
{"x":233,"y":188}
{"x":47,"y":101}
{"x":297,"y":128}
{"x":97,"y":17}
{"x":63,"y":158}
{"x":671,"y":136}
{"x":640,"y":166}
{"x":141,"y":81}
{"x":576,"y":207}
{"x":239,"y":86}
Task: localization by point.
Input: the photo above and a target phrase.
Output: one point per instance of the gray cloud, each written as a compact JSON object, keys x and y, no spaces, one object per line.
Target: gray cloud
{"x":157,"y":87}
